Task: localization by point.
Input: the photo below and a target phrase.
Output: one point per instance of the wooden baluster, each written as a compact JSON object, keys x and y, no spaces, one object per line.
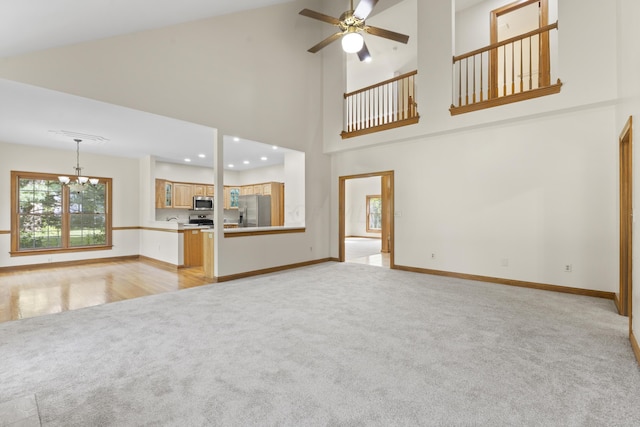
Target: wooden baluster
{"x":349,"y":114}
{"x":378,"y":106}
{"x":347,"y":108}
{"x":530,"y":66}
{"x":481,"y":78}
{"x":504,"y":70}
{"x":357,"y":111}
{"x":412,"y":87}
{"x":367,"y":123}
{"x":474,"y":79}
{"x":513,"y":75}
{"x":521,"y":68}
{"x":459,"y":83}
{"x":371,"y":109}
{"x":353,"y":112}
{"x":466,"y":81}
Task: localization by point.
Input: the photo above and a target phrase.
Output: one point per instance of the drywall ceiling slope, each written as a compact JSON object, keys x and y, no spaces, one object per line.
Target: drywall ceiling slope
{"x":33,"y":25}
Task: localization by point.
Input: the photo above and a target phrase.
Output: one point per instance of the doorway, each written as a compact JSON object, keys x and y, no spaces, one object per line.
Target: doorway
{"x":623,"y":298}
{"x":366,"y":219}
{"x":510,"y":21}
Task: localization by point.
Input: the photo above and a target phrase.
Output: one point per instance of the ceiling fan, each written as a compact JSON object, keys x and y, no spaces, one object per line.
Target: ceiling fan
{"x":351,"y":25}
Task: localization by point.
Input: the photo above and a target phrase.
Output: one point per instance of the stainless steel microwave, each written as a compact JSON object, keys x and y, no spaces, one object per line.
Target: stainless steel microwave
{"x":202,"y":203}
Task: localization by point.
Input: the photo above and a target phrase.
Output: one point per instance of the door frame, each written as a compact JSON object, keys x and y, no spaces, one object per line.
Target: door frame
{"x":544,"y":62}
{"x":624,"y":298}
{"x":387,"y":192}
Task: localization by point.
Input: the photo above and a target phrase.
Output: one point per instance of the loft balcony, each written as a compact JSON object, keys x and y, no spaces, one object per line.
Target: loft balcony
{"x":385,"y":105}
{"x":511,"y":70}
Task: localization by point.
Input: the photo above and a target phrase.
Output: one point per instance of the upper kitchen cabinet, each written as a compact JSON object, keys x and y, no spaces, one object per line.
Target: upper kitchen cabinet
{"x":182,"y":195}
{"x":231,"y":195}
{"x":164,"y":194}
{"x":210,"y":190}
{"x":199,"y":189}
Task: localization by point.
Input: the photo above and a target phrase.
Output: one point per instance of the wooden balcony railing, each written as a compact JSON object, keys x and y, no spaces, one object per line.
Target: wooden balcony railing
{"x":386,"y":105}
{"x":512,"y":70}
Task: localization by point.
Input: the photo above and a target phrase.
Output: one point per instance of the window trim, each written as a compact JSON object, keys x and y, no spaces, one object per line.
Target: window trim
{"x":368,"y":229}
{"x":15,"y":217}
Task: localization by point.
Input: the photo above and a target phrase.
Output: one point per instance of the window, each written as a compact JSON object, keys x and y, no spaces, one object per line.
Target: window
{"x":47,"y":216}
{"x":374,"y":214}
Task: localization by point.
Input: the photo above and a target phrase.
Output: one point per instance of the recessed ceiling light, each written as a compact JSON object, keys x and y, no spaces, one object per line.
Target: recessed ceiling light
{"x":187,"y":160}
{"x":230,"y":165}
{"x":263,"y":158}
{"x":275,"y":147}
{"x":202,"y":156}
{"x":236,"y":139}
{"x":246,"y":162}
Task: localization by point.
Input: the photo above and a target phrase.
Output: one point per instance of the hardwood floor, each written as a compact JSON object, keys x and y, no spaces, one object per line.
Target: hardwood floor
{"x":364,"y":250}
{"x":51,"y":290}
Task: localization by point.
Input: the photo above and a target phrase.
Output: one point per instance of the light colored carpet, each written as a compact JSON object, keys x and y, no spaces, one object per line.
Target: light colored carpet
{"x":332,"y":344}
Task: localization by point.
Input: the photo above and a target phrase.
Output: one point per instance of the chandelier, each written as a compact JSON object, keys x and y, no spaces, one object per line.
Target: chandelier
{"x":80,"y":181}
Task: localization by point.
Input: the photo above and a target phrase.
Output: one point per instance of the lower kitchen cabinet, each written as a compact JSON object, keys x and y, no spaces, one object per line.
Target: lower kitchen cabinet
{"x":193,"y":248}
{"x":207,"y":252}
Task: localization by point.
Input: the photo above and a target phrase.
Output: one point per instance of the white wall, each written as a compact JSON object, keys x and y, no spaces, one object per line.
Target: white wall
{"x":243,"y":74}
{"x":356,"y":192}
{"x":628,"y":32}
{"x":577,"y":71}
{"x":294,"y":189}
{"x":183,"y":173}
{"x":258,"y":175}
{"x":125,"y":209}
{"x":540,"y":193}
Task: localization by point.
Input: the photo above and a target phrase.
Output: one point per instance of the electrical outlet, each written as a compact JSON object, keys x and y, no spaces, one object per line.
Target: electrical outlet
{"x":568,"y":268}
{"x":433,"y":255}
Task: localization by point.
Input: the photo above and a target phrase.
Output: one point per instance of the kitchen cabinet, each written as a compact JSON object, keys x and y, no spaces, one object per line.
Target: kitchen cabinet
{"x":276,"y":191}
{"x":193,"y":256}
{"x":182,"y":195}
{"x":246,"y":190}
{"x":210,"y":190}
{"x":257,"y":189}
{"x":231,"y":195}
{"x":164,"y":194}
{"x":207,"y":253}
{"x":199,"y":189}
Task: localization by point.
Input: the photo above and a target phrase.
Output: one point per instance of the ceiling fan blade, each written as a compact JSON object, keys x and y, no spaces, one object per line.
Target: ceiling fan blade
{"x":364,"y":54}
{"x":325,"y":42}
{"x":392,"y":35}
{"x":320,"y":16}
{"x":364,"y":8}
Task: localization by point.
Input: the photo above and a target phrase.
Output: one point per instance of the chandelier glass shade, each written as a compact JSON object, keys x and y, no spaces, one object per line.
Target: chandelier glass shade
{"x":80,"y":181}
{"x":352,"y":42}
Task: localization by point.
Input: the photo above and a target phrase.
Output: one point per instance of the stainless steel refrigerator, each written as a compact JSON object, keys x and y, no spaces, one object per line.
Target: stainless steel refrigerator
{"x":254,"y":211}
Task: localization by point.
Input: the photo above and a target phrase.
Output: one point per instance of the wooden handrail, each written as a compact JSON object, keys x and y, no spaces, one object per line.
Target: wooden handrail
{"x":505,"y":42}
{"x":391,"y":80}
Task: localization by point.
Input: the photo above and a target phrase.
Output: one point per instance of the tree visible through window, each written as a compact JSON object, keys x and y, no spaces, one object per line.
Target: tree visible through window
{"x":374,"y":214}
{"x":49,"y":216}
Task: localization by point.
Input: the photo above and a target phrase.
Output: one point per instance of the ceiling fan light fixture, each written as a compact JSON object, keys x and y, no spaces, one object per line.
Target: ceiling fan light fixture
{"x":352,"y":42}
